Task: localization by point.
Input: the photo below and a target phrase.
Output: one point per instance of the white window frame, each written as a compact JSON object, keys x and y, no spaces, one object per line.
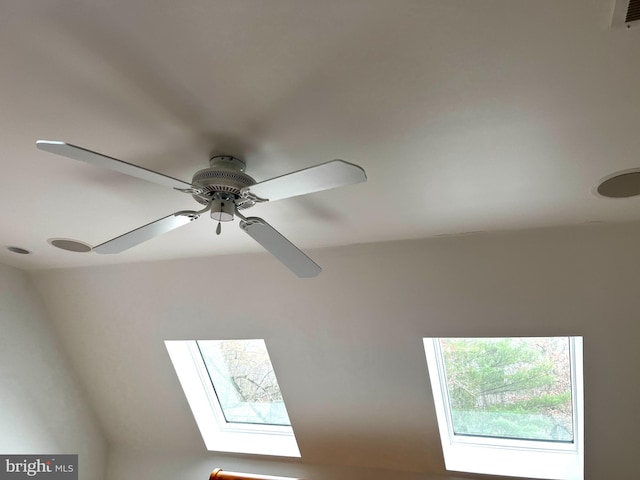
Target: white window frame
{"x":509,"y":457}
{"x":218,"y":434}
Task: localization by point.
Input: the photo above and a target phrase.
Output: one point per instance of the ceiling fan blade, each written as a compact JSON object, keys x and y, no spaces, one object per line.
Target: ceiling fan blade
{"x":146,"y":232}
{"x":94,"y":158}
{"x":333,"y":174}
{"x":281,"y":248}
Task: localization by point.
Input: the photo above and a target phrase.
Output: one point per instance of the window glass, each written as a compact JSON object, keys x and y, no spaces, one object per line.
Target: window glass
{"x":244,"y":381}
{"x":517,"y":388}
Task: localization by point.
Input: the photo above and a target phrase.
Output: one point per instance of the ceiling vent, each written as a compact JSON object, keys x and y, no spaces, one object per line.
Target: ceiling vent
{"x":626,"y":14}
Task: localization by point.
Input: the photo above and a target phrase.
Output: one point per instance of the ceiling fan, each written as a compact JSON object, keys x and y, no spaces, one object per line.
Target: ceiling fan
{"x":224,"y":190}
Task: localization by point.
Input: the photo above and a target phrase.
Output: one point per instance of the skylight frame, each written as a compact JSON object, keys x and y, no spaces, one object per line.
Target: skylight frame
{"x":217,"y":433}
{"x":543,"y":459}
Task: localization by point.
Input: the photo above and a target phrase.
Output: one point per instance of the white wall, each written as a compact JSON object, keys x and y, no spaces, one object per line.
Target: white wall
{"x":347,"y":345}
{"x":42,"y":407}
{"x":127,"y":465}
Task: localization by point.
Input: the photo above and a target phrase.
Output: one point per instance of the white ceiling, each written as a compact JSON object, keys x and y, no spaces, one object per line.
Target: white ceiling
{"x":467,"y":116}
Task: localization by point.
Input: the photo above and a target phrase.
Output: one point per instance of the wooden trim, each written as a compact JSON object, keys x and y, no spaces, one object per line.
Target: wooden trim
{"x":218,"y":474}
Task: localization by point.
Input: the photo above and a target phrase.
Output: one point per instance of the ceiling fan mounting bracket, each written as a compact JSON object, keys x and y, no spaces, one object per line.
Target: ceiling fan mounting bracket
{"x":227,"y":161}
{"x":191,"y":214}
{"x":192,"y":191}
{"x":251,"y":197}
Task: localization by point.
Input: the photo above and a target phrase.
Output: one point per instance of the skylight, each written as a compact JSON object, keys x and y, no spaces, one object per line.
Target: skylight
{"x":509,"y":406}
{"x":244,"y":381}
{"x":234,"y":396}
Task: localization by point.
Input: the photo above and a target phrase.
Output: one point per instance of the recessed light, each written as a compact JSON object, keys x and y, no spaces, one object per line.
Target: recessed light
{"x":70,"y":245}
{"x":622,"y":184}
{"x":19,"y":250}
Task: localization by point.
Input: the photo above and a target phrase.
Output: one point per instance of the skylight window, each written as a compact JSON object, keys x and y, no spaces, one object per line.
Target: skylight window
{"x":509,"y":406}
{"x":244,"y":381}
{"x":234,"y":396}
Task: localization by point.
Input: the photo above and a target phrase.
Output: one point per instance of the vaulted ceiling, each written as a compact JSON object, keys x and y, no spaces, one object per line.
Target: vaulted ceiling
{"x":468,"y":116}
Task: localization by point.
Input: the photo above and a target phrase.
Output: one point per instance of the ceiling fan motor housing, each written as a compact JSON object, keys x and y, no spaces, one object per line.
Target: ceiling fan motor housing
{"x":221,"y":184}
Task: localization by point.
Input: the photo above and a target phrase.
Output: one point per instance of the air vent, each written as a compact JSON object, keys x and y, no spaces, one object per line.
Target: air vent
{"x":633,"y":11}
{"x":626,"y":14}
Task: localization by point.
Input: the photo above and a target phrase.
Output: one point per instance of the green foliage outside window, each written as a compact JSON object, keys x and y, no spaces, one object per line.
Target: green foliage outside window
{"x":510,"y":387}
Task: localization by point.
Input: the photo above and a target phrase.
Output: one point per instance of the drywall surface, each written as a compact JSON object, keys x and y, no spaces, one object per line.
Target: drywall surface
{"x":129,"y":465}
{"x":42,"y":408}
{"x":347,"y":345}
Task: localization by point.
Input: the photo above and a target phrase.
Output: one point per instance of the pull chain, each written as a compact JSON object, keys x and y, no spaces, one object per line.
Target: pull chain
{"x":218,"y":228}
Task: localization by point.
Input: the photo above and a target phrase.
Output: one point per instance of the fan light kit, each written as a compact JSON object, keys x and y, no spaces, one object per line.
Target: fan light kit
{"x":224,"y":190}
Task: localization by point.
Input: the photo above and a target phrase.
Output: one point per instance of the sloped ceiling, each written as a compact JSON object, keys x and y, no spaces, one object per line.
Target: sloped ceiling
{"x":467,"y":116}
